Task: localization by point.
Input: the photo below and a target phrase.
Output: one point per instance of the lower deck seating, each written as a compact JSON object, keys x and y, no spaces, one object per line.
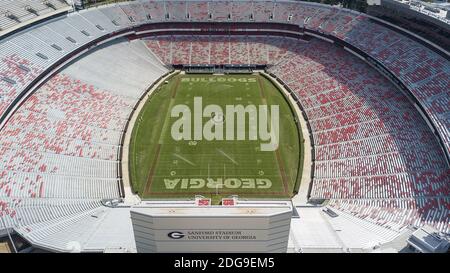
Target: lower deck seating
{"x":397,"y":213}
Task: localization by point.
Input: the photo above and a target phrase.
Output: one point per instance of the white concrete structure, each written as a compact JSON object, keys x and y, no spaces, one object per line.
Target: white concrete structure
{"x":248,"y":226}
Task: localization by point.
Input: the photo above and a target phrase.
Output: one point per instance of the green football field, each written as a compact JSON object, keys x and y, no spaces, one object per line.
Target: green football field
{"x":163,"y":167}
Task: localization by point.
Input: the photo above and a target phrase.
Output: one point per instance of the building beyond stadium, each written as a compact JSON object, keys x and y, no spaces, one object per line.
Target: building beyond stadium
{"x":374,"y":103}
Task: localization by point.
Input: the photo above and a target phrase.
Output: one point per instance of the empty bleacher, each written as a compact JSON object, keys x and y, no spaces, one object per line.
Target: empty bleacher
{"x":63,"y":142}
{"x":219,"y":49}
{"x":368,"y":144}
{"x":16,"y":12}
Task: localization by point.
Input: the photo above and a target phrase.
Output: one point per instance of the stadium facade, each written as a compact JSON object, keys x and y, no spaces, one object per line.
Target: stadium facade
{"x":373,"y":97}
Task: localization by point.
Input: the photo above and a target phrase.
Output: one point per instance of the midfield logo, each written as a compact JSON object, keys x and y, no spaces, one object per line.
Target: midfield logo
{"x":235,"y":122}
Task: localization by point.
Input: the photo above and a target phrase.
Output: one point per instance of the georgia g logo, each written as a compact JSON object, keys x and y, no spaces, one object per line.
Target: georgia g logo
{"x":175,"y":235}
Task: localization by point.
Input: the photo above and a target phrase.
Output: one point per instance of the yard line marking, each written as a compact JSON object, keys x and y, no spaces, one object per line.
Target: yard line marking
{"x":152,"y":171}
{"x":167,"y":117}
{"x":227,"y":156}
{"x":261,"y":89}
{"x":184,"y":159}
{"x":280,"y":162}
{"x":282,"y":172}
{"x":174,"y":90}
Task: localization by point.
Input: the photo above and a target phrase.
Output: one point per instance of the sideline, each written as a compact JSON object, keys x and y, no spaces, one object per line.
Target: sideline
{"x":130,"y":197}
{"x":302,"y":196}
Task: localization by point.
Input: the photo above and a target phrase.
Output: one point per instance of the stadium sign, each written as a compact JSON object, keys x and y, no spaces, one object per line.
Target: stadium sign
{"x":229,"y":183}
{"x":176,"y":235}
{"x":218,"y":79}
{"x":248,"y":226}
{"x":213,"y":235}
{"x":213,"y":129}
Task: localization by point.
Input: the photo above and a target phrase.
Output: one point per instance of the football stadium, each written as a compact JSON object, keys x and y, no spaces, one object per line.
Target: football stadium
{"x":224,"y":126}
